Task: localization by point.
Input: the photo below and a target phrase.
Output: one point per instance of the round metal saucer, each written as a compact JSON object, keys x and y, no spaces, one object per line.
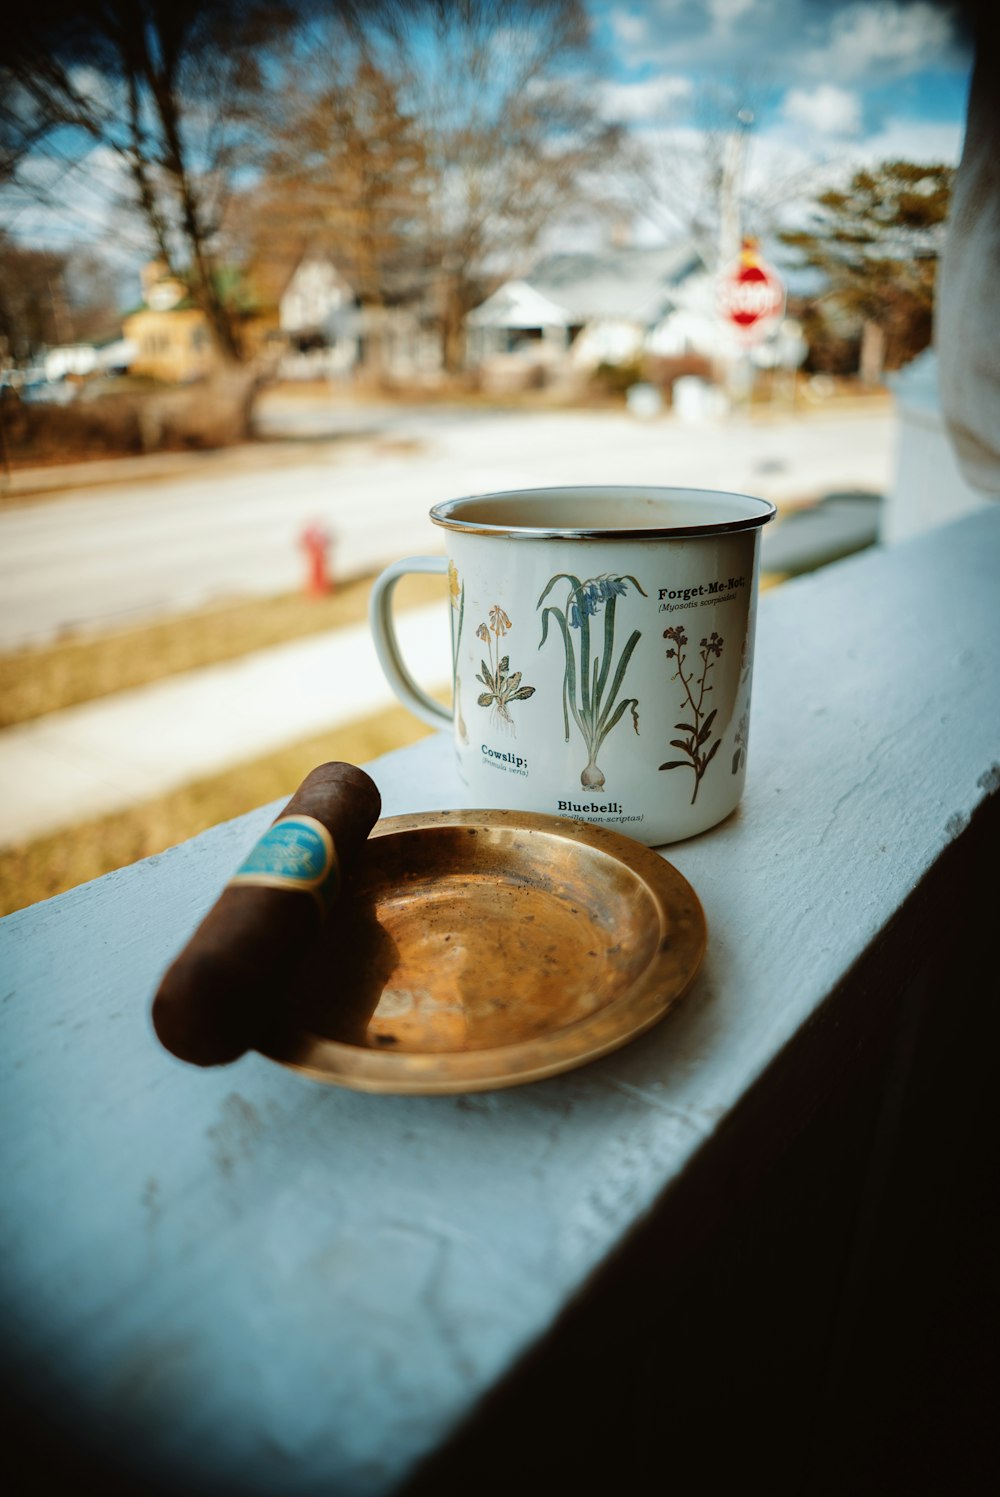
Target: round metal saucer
{"x":478,"y":949}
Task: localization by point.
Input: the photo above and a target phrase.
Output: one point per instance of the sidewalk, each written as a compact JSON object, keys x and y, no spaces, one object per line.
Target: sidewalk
{"x":107,"y":755}
{"x":58,"y":480}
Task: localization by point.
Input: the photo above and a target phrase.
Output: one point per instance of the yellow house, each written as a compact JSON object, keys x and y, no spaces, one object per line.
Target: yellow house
{"x":171,"y":345}
{"x":171,"y":334}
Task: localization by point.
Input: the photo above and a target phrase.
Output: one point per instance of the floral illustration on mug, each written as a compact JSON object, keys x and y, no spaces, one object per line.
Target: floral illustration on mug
{"x":456,"y":589}
{"x":502,"y":686}
{"x":698,"y":753}
{"x":742,"y":736}
{"x":587,"y":695}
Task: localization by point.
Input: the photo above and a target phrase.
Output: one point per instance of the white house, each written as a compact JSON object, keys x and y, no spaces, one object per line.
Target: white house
{"x":588,"y":309}
{"x":315,"y":291}
{"x":70,"y":358}
{"x":317,"y":312}
{"x":330,"y":334}
{"x":82,"y":359}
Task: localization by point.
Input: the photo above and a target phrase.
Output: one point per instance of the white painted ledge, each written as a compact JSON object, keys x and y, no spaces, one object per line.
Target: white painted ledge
{"x":249,"y":1278}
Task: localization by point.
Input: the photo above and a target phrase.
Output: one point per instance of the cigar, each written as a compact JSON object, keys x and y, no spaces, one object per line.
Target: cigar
{"x":217,"y":998}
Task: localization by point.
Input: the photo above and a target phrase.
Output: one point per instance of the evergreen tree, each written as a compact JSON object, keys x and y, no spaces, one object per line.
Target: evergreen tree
{"x":876,"y":243}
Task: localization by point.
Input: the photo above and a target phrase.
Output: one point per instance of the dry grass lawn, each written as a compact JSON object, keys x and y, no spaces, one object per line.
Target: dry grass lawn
{"x":34,"y":681}
{"x":53,"y":864}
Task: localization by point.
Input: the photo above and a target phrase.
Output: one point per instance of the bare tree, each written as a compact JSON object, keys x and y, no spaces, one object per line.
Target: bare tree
{"x":436,"y":140}
{"x":436,"y":136}
{"x":172,"y":89}
{"x":32,"y":301}
{"x":347,"y":174}
{"x":47,"y":297}
{"x":514,"y":137}
{"x":698,"y":180}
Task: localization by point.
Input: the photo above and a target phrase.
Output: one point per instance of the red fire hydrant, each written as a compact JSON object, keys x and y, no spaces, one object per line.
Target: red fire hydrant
{"x":316,"y":542}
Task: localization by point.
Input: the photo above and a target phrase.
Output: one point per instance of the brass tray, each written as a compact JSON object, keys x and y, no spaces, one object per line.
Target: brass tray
{"x":479,"y":949}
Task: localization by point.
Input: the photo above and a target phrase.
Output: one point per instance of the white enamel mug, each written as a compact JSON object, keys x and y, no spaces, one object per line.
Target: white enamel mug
{"x":602,"y":648}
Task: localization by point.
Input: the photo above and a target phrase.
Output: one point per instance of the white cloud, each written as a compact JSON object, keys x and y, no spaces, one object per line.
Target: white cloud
{"x":653,"y":99}
{"x":787,"y":169}
{"x":884,"y":38}
{"x":912,"y":140}
{"x":630,"y":30}
{"x":837,"y":41}
{"x":93,"y":87}
{"x":60,"y":202}
{"x":725,"y":12}
{"x":827,"y":109}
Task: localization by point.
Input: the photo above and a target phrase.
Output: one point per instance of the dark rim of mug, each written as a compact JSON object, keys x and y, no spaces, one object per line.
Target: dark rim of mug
{"x":444,"y":515}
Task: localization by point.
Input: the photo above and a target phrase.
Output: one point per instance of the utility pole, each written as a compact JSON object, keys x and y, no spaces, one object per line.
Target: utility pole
{"x":730,"y":209}
{"x":738,"y":369}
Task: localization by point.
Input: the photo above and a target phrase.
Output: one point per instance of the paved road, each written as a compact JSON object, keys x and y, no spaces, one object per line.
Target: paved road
{"x":138,"y":549}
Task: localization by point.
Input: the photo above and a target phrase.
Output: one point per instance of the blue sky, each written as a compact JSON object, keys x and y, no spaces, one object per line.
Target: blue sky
{"x":833,"y":84}
{"x":844,"y":77}
{"x":827,"y":86}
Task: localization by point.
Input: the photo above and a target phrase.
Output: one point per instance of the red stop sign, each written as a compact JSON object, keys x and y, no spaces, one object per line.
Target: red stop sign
{"x":751,"y":296}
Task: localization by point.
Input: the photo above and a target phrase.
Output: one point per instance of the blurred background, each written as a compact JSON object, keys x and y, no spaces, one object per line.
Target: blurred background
{"x":275,"y":277}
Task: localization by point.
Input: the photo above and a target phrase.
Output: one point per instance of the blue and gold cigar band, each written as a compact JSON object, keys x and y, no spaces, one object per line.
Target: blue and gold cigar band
{"x":295,"y":853}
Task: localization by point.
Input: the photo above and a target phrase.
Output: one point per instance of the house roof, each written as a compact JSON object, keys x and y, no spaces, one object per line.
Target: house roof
{"x":632,"y":284}
{"x":516,"y":304}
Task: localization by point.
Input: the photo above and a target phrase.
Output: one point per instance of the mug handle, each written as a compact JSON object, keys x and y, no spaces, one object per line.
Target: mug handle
{"x":387,"y":646}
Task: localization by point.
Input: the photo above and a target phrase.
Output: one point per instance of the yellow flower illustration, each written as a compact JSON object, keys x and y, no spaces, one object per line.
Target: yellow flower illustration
{"x":502,"y":685}
{"x":454,"y":586}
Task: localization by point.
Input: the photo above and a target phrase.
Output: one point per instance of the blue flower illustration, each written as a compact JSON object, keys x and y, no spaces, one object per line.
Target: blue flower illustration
{"x":592,"y":679}
{"x":589,"y":597}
